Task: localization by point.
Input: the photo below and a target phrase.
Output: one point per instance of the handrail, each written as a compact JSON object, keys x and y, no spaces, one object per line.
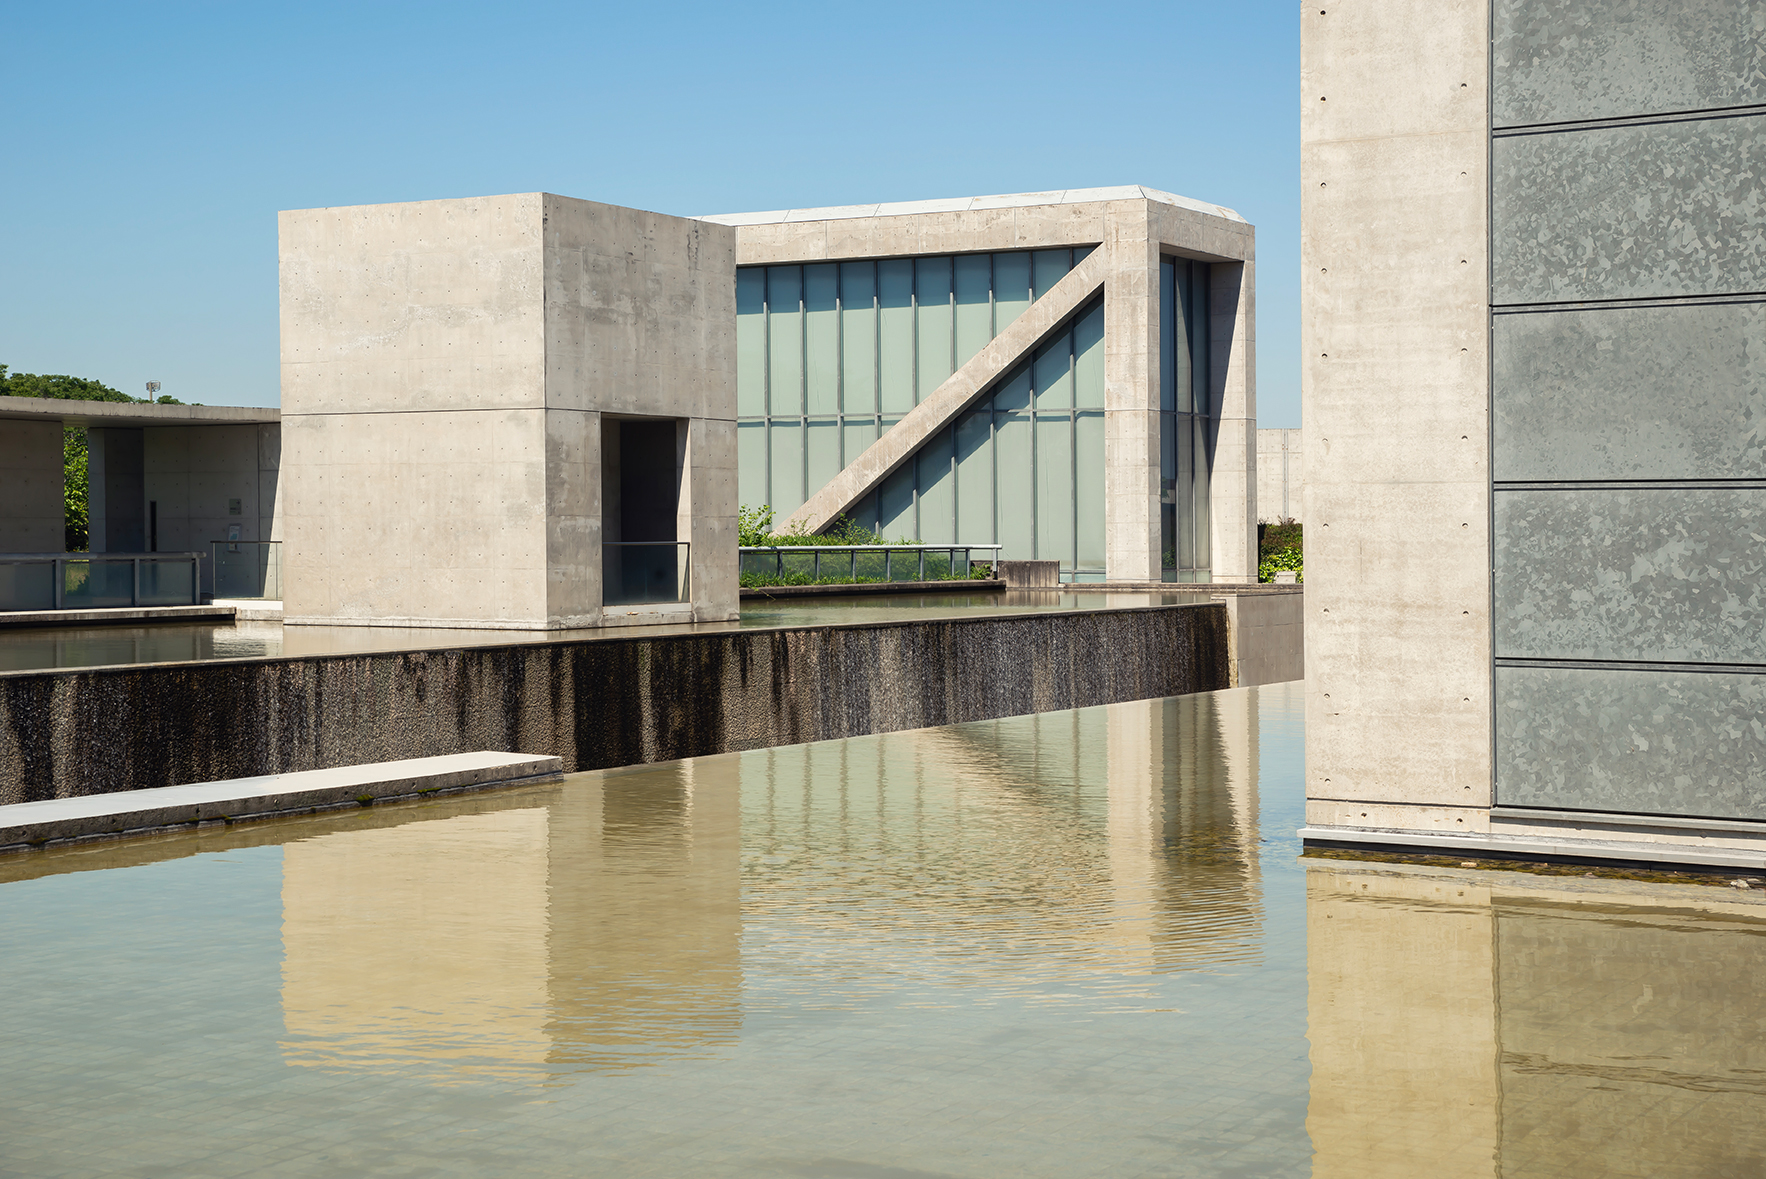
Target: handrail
{"x":876,"y":548}
{"x":815,"y":552}
{"x":60,"y":561}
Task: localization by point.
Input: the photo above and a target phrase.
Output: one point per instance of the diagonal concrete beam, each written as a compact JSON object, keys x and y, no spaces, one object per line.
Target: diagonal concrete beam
{"x":955,"y":395}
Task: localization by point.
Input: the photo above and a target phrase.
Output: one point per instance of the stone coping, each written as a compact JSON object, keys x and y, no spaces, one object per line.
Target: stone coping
{"x":1544,"y":847}
{"x":28,"y":825}
{"x":20,"y":618}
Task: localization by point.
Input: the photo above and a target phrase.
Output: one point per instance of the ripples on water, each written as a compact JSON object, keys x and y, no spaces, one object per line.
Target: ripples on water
{"x":1072,"y":944}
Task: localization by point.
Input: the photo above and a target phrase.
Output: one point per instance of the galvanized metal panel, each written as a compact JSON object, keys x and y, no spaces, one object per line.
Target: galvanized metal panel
{"x":1664,"y":574}
{"x":1646,"y":211}
{"x":1632,"y":741}
{"x":1667,"y":392}
{"x":1561,"y":60}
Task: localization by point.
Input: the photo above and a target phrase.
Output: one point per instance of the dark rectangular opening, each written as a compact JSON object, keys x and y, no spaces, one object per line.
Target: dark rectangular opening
{"x":641,"y":468}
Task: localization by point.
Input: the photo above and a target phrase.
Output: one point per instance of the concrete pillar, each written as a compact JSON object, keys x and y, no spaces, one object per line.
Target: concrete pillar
{"x":1232,"y":330}
{"x":1131,"y":395}
{"x":32,"y":500}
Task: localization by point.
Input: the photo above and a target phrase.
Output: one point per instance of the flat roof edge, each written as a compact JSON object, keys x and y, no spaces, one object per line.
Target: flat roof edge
{"x":1024,"y":200}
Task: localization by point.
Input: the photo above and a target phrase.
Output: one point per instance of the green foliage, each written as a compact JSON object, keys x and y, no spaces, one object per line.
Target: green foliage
{"x":73,"y":466}
{"x":1279,"y":546}
{"x":754,"y":528}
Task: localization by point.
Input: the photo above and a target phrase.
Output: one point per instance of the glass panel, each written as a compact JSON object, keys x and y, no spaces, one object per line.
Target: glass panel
{"x":975,"y":477}
{"x":895,"y":295}
{"x":1054,"y":378}
{"x":1167,"y":335}
{"x":94,"y":584}
{"x":638,"y":573}
{"x":974,"y":305}
{"x":786,"y":437}
{"x":1185,"y":494}
{"x":1054,"y":490}
{"x":784,"y":295}
{"x":1014,"y":392}
{"x":1204,"y":455}
{"x":1088,"y":491}
{"x":751,"y":340}
{"x":1011,"y":288}
{"x":1016,"y":470}
{"x":823,"y":451}
{"x":938,"y":498}
{"x":1181,"y":369}
{"x":932,"y":287}
{"x":895,"y":504}
{"x":1168,"y":492}
{"x":859,"y":434}
{"x":822,"y":337}
{"x":1088,"y":359}
{"x":1199,"y":346}
{"x":27,"y":586}
{"x":1051,"y":266}
{"x":751,"y":464}
{"x":858,"y":327}
{"x":864,"y":512}
{"x":173,"y":583}
{"x":1081,"y":253}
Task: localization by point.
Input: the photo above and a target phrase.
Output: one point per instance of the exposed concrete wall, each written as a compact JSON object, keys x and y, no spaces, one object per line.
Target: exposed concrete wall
{"x":605,"y":702}
{"x":1232,"y":354}
{"x":1267,"y":633}
{"x":116,"y":509}
{"x":191,"y":477}
{"x":1281,"y":475}
{"x":31,"y":492}
{"x":1394,"y":139}
{"x":445,"y":366}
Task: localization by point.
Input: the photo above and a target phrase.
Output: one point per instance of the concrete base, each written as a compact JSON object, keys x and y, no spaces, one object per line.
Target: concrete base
{"x":29,"y":825}
{"x":1266,"y":638}
{"x":875,"y":587}
{"x":120,"y":614}
{"x":1546,"y":846}
{"x":252,"y":609}
{"x":1030,"y":574}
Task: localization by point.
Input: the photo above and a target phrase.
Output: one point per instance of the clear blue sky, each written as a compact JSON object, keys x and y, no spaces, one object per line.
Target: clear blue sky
{"x":148,"y":147}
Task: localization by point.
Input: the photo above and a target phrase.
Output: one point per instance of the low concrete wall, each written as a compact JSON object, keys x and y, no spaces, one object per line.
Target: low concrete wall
{"x":594,"y":704}
{"x":1268,"y":637}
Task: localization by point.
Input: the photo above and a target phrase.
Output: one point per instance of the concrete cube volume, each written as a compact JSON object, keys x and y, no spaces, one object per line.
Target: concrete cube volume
{"x":452,"y":373}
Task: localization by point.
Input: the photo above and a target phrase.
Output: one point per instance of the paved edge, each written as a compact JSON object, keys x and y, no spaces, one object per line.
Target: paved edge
{"x":26,"y":826}
{"x":1578,"y":850}
{"x":115,"y":614}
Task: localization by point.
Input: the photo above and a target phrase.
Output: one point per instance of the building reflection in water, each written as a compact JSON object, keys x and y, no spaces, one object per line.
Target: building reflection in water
{"x":1461,"y":1027}
{"x":634,"y":917}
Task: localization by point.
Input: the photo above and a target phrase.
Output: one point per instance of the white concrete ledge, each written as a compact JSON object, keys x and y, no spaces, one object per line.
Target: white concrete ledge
{"x":115,"y":614}
{"x":1544,"y":847}
{"x":26,"y":825}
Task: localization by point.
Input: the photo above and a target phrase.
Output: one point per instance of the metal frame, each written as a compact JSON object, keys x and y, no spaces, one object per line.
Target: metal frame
{"x":59,"y":562}
{"x":816,"y":552}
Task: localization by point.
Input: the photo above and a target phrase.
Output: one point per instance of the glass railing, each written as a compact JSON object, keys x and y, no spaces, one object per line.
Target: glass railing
{"x":248,"y":568}
{"x":640,"y":572}
{"x":94,"y":581}
{"x":810,"y":564}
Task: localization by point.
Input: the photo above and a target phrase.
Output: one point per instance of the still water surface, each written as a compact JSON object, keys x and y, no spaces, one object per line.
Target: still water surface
{"x":1074,"y":944}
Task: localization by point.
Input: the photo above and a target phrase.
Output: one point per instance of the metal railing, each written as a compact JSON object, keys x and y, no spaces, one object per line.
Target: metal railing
{"x":92,"y":581}
{"x":247,"y":568}
{"x":640,"y":572}
{"x":873,"y":562}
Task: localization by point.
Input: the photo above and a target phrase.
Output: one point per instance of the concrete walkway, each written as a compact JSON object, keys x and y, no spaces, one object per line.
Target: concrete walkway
{"x":27,"y":825}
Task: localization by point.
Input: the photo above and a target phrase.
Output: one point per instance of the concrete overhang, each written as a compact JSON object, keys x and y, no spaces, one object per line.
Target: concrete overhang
{"x":118,"y":413}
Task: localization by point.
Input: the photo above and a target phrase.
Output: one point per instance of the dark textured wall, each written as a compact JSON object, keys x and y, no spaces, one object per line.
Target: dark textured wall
{"x":600,"y":703}
{"x":1628,"y":404}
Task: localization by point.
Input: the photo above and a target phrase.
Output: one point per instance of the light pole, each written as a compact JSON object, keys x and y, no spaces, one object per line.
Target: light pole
{"x":152,"y":388}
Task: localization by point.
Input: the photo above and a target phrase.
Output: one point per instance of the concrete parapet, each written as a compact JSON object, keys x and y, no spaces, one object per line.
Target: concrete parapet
{"x":1266,"y":633}
{"x":1030,"y":574}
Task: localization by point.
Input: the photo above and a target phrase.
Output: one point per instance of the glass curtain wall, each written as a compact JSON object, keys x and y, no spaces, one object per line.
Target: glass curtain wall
{"x":1188,"y":424}
{"x":831,"y":355}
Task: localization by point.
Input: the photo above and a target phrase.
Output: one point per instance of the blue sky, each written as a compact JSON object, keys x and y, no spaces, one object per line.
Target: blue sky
{"x":149,"y":147}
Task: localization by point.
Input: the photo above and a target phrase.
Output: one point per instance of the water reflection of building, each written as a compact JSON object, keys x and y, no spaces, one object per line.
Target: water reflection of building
{"x":1463,"y":1028}
{"x":585,"y":933}
{"x":1126,"y":831}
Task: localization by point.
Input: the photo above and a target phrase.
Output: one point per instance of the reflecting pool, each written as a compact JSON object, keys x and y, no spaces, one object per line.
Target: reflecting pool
{"x":1079,"y":943}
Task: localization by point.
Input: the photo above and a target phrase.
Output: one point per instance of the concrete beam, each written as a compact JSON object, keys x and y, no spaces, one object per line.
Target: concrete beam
{"x":955,"y":395}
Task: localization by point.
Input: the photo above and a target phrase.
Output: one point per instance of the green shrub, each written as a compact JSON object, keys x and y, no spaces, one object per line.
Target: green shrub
{"x":1279,"y":546}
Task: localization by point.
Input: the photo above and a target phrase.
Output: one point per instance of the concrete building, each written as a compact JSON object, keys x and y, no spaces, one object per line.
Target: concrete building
{"x":1071,"y":375}
{"x":513,"y":412}
{"x":1533,"y":257}
{"x":160,"y":478}
{"x":1280,"y":476}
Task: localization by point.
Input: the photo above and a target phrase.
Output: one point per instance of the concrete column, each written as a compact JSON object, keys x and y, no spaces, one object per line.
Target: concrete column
{"x":1131,"y":395}
{"x":1232,"y":350}
{"x":1394,"y":143}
